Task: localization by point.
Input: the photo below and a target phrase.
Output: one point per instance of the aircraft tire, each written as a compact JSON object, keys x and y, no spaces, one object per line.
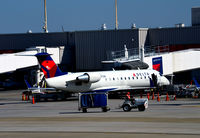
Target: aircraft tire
{"x":84,"y":110}
{"x":104,"y":109}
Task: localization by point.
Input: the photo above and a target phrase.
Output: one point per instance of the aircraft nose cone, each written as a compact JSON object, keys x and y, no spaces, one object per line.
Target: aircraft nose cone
{"x":164,"y":81}
{"x":168,"y":83}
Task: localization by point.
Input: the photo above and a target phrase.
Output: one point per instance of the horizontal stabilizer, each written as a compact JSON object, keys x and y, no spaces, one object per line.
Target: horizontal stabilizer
{"x":37,"y":89}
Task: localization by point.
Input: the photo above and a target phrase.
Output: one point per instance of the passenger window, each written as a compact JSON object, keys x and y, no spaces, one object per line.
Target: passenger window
{"x":129,"y":78}
{"x":121,"y":78}
{"x":113,"y":78}
{"x":133,"y":78}
{"x":125,"y":78}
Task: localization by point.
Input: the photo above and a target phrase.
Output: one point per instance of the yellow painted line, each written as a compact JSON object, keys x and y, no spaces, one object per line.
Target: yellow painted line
{"x":195,"y":106}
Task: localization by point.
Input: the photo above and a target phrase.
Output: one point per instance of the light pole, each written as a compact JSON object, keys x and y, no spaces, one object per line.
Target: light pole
{"x":45,"y":17}
{"x":116,"y":19}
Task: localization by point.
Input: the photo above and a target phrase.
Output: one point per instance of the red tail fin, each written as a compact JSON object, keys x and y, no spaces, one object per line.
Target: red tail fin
{"x":48,"y":66}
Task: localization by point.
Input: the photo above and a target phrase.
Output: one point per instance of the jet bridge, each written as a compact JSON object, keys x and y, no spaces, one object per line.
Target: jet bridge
{"x":178,"y":61}
{"x":12,"y":62}
{"x":25,"y":59}
{"x":21,"y":61}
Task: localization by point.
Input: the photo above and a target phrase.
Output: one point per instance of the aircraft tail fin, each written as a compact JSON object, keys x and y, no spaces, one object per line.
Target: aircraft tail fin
{"x":196,"y":83}
{"x":48,"y":66}
{"x":27,"y":84}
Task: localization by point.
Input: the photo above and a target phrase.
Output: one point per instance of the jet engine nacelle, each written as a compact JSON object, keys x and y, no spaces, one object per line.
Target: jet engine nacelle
{"x":89,"y":77}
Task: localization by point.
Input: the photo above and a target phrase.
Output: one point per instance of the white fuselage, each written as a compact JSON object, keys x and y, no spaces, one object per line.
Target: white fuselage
{"x":107,"y":80}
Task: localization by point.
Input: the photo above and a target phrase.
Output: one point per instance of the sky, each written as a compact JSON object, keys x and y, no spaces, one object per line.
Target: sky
{"x":19,"y":16}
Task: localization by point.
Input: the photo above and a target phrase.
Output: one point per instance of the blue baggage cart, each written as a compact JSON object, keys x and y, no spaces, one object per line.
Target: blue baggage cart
{"x":93,"y":100}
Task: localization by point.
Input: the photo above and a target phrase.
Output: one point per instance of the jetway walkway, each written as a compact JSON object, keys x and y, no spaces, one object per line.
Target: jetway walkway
{"x":21,"y":60}
{"x":12,"y":62}
{"x":171,"y":62}
{"x":177,"y":61}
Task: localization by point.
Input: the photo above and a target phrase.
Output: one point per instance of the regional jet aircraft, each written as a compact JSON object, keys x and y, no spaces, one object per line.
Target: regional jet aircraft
{"x":101,"y":81}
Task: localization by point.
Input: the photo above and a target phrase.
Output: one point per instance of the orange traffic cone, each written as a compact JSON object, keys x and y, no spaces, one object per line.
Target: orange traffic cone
{"x":148,"y":96}
{"x":153,"y":96}
{"x":158,"y":98}
{"x":23,"y":98}
{"x":33,"y":99}
{"x":167,"y":97}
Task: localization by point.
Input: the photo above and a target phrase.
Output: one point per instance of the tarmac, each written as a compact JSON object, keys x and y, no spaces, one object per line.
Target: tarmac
{"x":180,"y":118}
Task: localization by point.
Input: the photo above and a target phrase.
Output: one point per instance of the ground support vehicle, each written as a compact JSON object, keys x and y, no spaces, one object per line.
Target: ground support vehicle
{"x":136,"y":103}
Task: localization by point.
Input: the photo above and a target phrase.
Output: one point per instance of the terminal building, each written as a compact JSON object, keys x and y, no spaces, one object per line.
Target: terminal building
{"x":177,"y":48}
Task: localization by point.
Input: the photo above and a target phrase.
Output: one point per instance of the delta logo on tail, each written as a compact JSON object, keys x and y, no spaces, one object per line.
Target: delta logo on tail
{"x":157,"y":64}
{"x":48,"y":66}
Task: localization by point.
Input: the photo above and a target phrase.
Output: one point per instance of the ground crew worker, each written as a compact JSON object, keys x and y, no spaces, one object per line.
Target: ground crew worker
{"x":128,"y":95}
